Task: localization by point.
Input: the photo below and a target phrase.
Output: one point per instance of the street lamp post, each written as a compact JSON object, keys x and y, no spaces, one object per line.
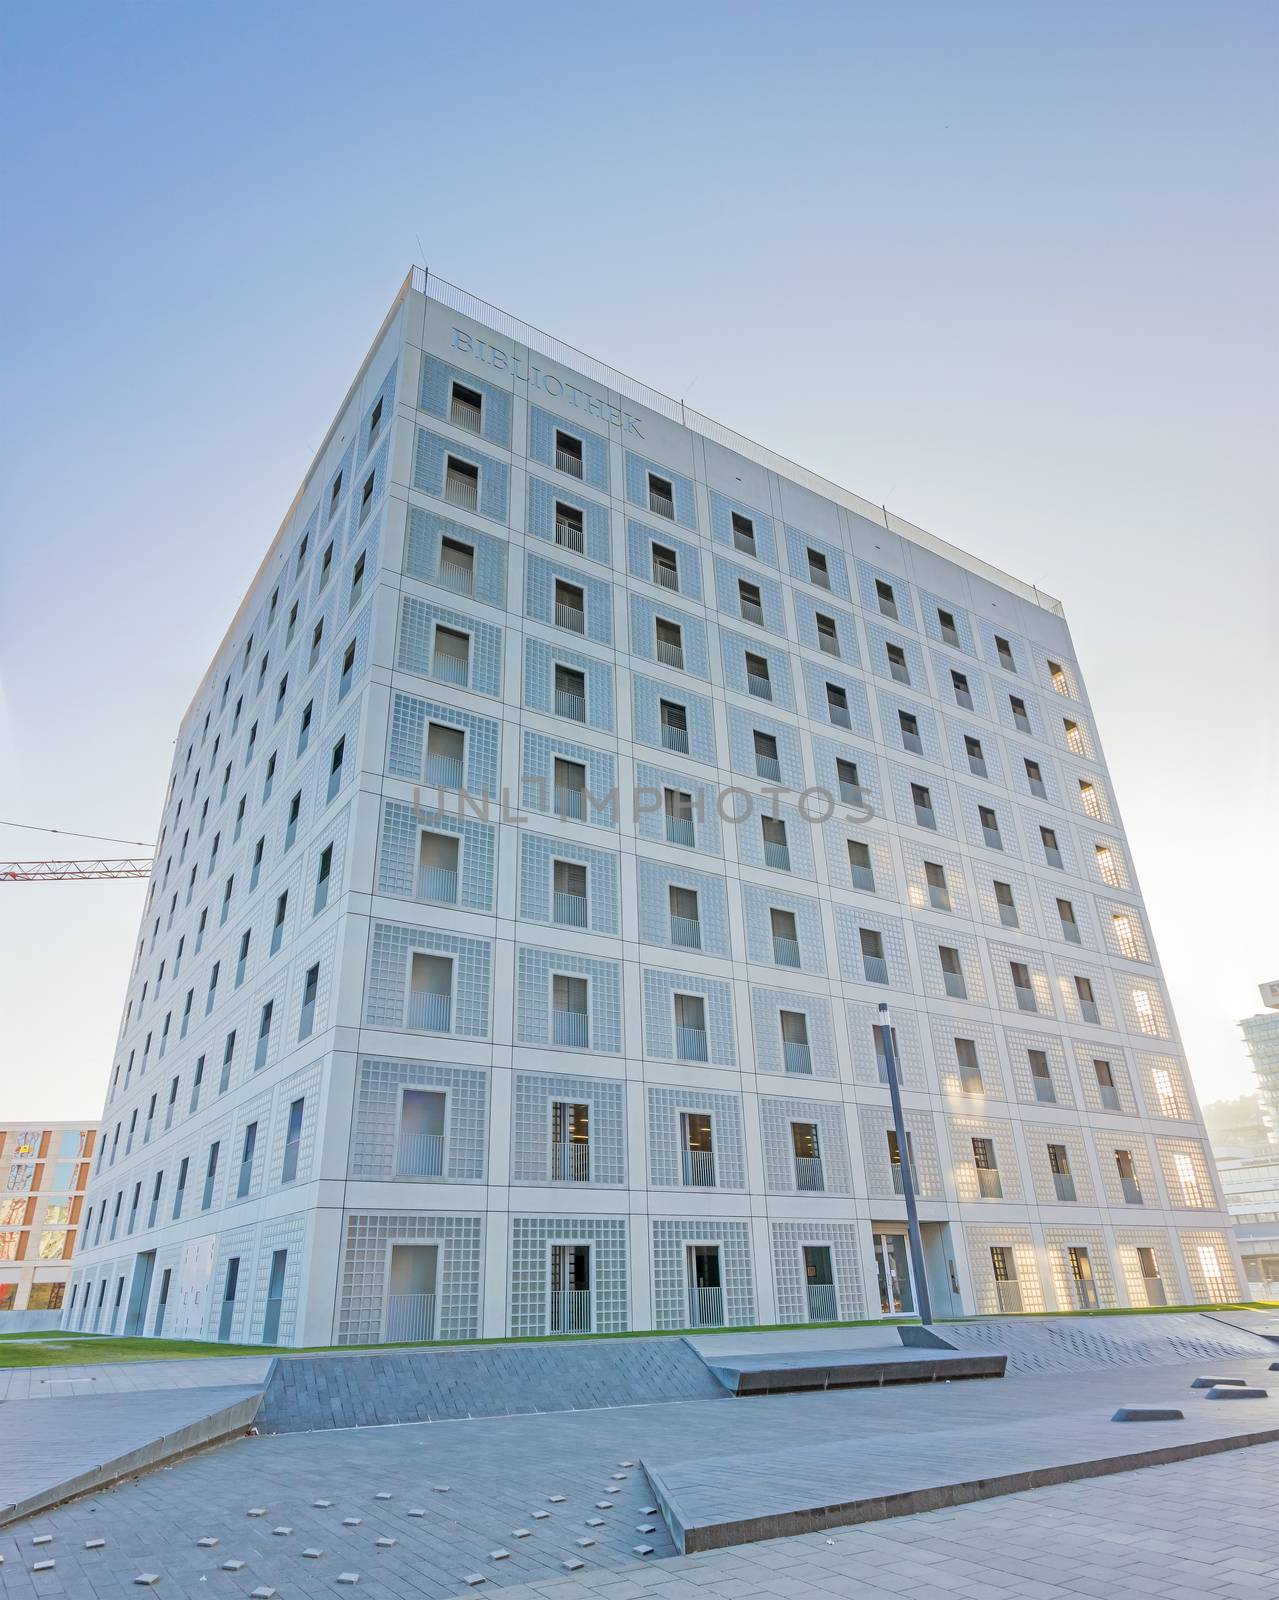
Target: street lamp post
{"x":917,"y":1269}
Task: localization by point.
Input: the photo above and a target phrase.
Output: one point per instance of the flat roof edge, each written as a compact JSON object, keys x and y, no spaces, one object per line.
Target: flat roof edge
{"x":455,"y":298}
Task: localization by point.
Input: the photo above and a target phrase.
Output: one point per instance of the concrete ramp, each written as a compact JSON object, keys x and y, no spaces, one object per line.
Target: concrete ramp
{"x":311,"y":1392}
{"x":713,"y":1500}
{"x":1087,"y":1344}
{"x":61,"y":1448}
{"x":789,"y":1372}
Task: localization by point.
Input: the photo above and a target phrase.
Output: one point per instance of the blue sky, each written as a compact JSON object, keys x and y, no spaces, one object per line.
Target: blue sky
{"x":1008,"y":268}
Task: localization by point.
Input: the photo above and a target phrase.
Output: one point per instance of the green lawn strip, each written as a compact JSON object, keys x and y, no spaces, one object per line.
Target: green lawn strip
{"x":75,"y":1349}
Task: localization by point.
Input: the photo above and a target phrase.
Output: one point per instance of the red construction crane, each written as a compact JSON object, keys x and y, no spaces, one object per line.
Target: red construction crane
{"x":59,"y":871}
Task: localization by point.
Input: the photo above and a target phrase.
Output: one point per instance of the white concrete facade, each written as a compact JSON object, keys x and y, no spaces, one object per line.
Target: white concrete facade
{"x":398,"y":1061}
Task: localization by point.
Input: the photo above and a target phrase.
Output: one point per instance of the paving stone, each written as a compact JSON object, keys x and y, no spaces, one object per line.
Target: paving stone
{"x":1231,"y":1392}
{"x":1149,"y":1414}
{"x":1211,"y":1383}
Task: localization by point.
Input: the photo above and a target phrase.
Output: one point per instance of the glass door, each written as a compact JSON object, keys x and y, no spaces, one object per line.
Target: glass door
{"x":892,"y":1264}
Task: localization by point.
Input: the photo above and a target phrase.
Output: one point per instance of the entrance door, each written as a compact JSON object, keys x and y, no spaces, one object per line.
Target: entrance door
{"x":1081,"y":1275}
{"x":570,"y":1307}
{"x":1146,"y":1260}
{"x":705,"y":1289}
{"x":410,"y":1300}
{"x":893,"y":1266}
{"x":819,"y":1279}
{"x":140,"y":1293}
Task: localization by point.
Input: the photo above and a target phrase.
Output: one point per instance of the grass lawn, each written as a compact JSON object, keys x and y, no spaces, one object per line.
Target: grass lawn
{"x":63,"y":1350}
{"x":56,"y":1349}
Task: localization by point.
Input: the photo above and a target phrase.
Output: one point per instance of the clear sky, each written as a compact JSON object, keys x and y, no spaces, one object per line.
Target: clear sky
{"x":1008,"y":267}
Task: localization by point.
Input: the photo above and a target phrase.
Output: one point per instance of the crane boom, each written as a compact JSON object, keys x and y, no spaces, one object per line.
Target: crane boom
{"x":60,"y":871}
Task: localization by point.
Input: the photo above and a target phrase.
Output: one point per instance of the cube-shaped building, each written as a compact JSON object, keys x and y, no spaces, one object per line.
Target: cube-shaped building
{"x":574,"y":782}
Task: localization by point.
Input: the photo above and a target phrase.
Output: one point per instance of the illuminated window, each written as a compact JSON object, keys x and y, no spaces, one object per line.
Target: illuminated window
{"x":1214,"y":1277}
{"x":1057,"y":676}
{"x":1074,"y":737}
{"x":53,"y":1244}
{"x":1165,"y":1091}
{"x":1088,"y":798}
{"x":1108,"y":865}
{"x":1145,"y":1009}
{"x":1126,"y":936}
{"x":1191,"y":1194}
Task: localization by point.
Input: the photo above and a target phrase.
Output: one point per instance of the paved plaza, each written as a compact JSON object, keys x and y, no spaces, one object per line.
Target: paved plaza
{"x":594,"y":1499}
{"x":1206,"y":1528}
